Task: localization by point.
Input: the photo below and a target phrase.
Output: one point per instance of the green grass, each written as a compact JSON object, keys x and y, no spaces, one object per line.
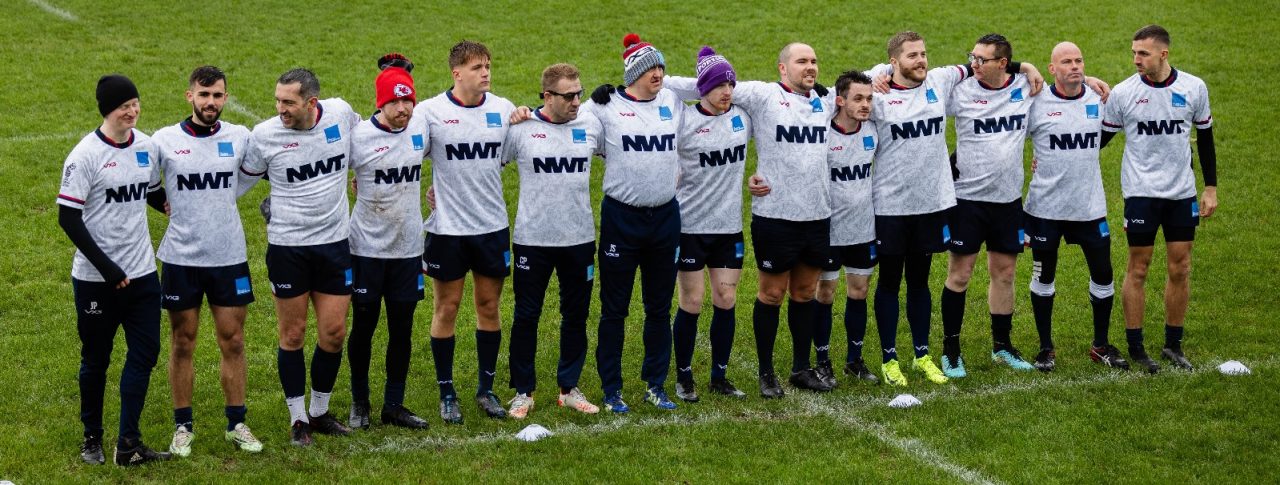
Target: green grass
{"x":1079,"y":424}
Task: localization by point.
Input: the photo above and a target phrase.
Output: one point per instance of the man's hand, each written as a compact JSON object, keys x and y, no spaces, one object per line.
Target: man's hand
{"x":520,"y":115}
{"x":881,"y":84}
{"x":602,"y":93}
{"x":123,"y":283}
{"x":757,"y":186}
{"x":1033,"y":77}
{"x":1099,"y":86}
{"x":431,"y":196}
{"x":1208,"y":201}
{"x":167,"y":210}
{"x":1035,"y":162}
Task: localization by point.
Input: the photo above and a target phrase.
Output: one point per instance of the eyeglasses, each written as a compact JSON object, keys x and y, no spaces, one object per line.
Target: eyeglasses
{"x":973,"y":59}
{"x":568,"y":97}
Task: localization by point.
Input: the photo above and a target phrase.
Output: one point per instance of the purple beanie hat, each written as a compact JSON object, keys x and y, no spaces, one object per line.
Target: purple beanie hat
{"x":713,"y":70}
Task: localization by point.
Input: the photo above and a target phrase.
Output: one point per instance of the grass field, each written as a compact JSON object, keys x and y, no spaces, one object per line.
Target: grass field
{"x":1079,"y":424}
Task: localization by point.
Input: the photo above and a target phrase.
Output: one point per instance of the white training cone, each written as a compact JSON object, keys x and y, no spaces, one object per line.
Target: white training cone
{"x":904,"y":401}
{"x":1233,"y":368}
{"x":533,"y":432}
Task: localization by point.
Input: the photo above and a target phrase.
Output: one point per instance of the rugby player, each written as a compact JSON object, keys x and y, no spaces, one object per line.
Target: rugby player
{"x":305,"y":151}
{"x":204,"y":253}
{"x":1156,"y":108}
{"x":106,"y":180}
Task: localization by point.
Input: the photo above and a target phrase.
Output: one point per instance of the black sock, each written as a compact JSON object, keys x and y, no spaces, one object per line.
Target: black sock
{"x":1101,"y":319}
{"x":1001,"y":327}
{"x":487,"y":344}
{"x":399,"y":349}
{"x":723,"y":325}
{"x":183,"y":417}
{"x":855,"y":326}
{"x":1134,"y":336}
{"x":442,"y":354}
{"x":364,"y":321}
{"x":800,"y":322}
{"x":822,"y":330}
{"x":292,"y":366}
{"x":684,"y":332}
{"x":764,"y":322}
{"x":324,"y":369}
{"x":1173,"y":337}
{"x":1042,"y":308}
{"x":952,"y":321}
{"x":886,"y":305}
{"x":235,"y":415}
{"x":918,"y":303}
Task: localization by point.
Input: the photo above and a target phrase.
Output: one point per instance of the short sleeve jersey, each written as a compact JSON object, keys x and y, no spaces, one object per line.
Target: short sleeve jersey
{"x":849,"y":155}
{"x":386,"y":221}
{"x":109,"y":182}
{"x":466,"y":163}
{"x":640,"y":147}
{"x":554,"y":160}
{"x":991,"y":133}
{"x":1157,"y":120}
{"x":713,"y":159}
{"x":913,"y":174}
{"x":308,"y":174}
{"x":1065,"y":131}
{"x":199,"y":171}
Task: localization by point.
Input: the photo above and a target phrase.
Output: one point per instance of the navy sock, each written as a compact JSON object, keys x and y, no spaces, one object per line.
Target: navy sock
{"x":487,"y":344}
{"x":918,"y":303}
{"x":324,"y":369}
{"x":1001,"y":327}
{"x":235,"y":415}
{"x":822,"y":330}
{"x":952,"y":303}
{"x":364,"y":320}
{"x":855,"y":326}
{"x":1101,"y":318}
{"x":1173,"y":337}
{"x":393,"y":394}
{"x":1042,"y":308}
{"x":442,"y":353}
{"x":886,"y":305}
{"x":182,"y":417}
{"x":764,"y":322}
{"x":800,"y":322}
{"x":399,"y":348}
{"x":723,"y":326}
{"x":1134,"y":336}
{"x":292,"y":366}
{"x":684,"y":329}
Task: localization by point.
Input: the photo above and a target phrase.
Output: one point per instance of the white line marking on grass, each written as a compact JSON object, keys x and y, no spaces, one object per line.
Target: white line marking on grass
{"x":42,"y":137}
{"x":58,"y":12}
{"x":240,"y":109}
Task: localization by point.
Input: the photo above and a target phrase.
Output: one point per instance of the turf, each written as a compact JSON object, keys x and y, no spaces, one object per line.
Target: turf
{"x":1079,"y":424}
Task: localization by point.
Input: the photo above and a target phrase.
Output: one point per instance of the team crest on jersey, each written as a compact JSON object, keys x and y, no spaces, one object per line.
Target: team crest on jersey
{"x":664,"y":113}
{"x":1091,"y":111}
{"x":417,"y":142}
{"x":868,"y":143}
{"x":1179,"y":101}
{"x":225,"y":150}
{"x":1016,"y":95}
{"x":144,"y":159}
{"x":928,"y":95}
{"x":817,"y":104}
{"x":579,"y":135}
{"x":332,"y":134}
{"x":737,"y":124}
{"x":494,"y":120}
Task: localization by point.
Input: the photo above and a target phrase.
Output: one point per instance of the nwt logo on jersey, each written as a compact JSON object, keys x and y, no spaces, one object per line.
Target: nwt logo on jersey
{"x":418,"y":143}
{"x":1160,"y":127}
{"x":1073,"y":141}
{"x":204,"y":181}
{"x":560,"y":165}
{"x":226,"y":150}
{"x":398,"y":175}
{"x":917,"y":129}
{"x":332,"y":134}
{"x":472,"y":151}
{"x":127,"y":193}
{"x":655,"y":143}
{"x":315,"y":169}
{"x":493,"y":120}
{"x":801,"y":134}
{"x":851,"y":173}
{"x":997,"y":125}
{"x":716,"y":158}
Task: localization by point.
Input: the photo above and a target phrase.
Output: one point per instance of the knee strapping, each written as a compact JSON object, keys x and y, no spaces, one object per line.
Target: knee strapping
{"x":1039,"y":288}
{"x":1102,"y":291}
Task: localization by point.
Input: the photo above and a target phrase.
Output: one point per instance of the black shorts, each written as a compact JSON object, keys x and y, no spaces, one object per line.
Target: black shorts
{"x":997,"y":224}
{"x":913,"y":234}
{"x":398,"y":280}
{"x":699,"y":251}
{"x":1143,"y":216}
{"x":1045,"y":233}
{"x":296,"y":270}
{"x":184,"y":287}
{"x":780,"y":244}
{"x":858,"y":256}
{"x":448,"y":258}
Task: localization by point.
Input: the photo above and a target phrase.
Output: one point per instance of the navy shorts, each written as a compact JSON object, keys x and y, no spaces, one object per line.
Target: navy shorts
{"x":998,"y":225}
{"x":858,"y":256}
{"x":1045,"y":233}
{"x":913,"y":234}
{"x":1143,"y":216}
{"x":699,"y":251}
{"x":448,"y":258}
{"x":399,"y":280}
{"x":780,"y":245}
{"x":296,"y":270}
{"x":184,"y":287}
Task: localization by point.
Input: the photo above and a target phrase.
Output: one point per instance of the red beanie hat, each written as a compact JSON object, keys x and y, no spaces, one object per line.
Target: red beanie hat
{"x":394,"y":83}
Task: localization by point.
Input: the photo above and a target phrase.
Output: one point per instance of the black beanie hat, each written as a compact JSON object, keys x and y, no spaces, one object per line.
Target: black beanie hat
{"x":113,"y":91}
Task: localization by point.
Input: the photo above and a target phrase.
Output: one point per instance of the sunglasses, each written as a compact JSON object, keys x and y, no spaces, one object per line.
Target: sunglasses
{"x":568,"y":97}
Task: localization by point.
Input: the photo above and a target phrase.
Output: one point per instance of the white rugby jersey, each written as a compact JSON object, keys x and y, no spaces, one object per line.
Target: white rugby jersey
{"x":790,"y":130}
{"x":713,"y":159}
{"x":991,"y":132}
{"x":1065,"y":133}
{"x":913,"y":169}
{"x":200,"y":180}
{"x":466,"y":163}
{"x":1157,"y":120}
{"x":554,"y":160}
{"x":109,"y":182}
{"x":386,"y":221}
{"x":308,"y":173}
{"x":853,"y":218}
{"x":640,"y":159}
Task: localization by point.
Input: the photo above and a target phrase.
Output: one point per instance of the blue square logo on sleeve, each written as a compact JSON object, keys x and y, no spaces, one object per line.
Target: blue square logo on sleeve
{"x":144,"y":159}
{"x":664,"y":113}
{"x":1091,"y":111}
{"x":1016,"y":95}
{"x":346,"y":275}
{"x":417,"y":142}
{"x":225,"y":150}
{"x":332,"y":134}
{"x":494,"y":120}
{"x":817,"y":104}
{"x":1179,"y":101}
{"x":579,"y":135}
{"x":242,"y":286}
{"x":868,"y":143}
{"x":928,"y":95}
{"x":737,"y":124}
